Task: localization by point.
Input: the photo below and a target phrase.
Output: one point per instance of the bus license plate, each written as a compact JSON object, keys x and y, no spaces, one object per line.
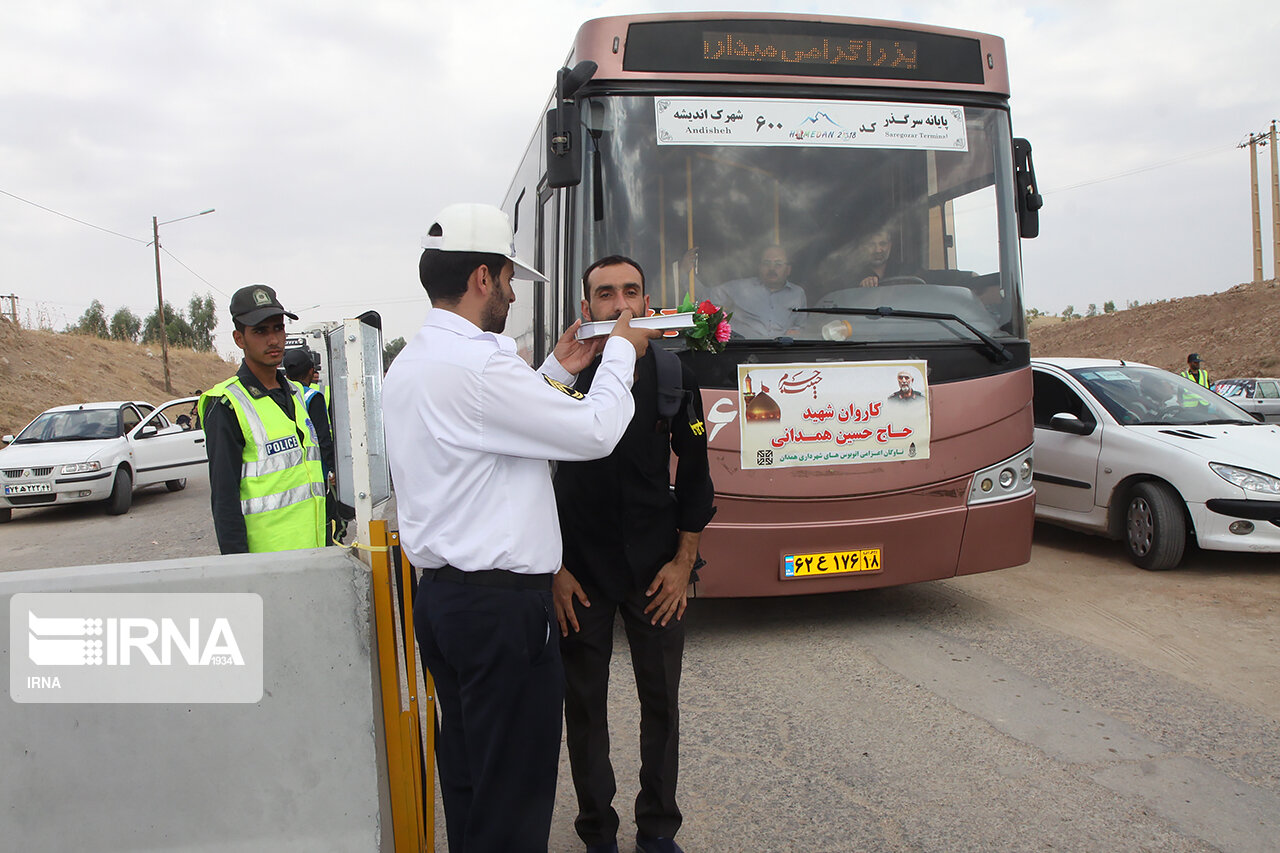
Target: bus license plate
{"x":28,"y":489}
{"x":831,"y":563}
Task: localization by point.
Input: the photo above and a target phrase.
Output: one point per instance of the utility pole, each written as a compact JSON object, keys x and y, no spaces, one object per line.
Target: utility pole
{"x":1275,"y":205}
{"x":12,"y":313}
{"x":164,"y":323}
{"x":1257,"y":219}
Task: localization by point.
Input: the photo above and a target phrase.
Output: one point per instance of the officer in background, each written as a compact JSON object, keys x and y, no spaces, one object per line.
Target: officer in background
{"x":300,"y":367}
{"x":469,"y":429}
{"x":266,"y":481}
{"x":1195,"y":370}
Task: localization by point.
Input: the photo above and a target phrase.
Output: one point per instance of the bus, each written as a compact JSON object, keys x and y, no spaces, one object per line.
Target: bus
{"x":869,"y":418}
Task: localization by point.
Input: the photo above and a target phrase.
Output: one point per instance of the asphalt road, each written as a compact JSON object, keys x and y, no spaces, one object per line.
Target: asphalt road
{"x":1075,"y":703}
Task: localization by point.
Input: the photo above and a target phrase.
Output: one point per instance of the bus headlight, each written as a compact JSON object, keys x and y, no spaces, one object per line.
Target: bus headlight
{"x":1009,"y":479}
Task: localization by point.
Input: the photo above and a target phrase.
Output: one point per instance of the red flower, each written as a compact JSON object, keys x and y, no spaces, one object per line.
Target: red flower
{"x":707,"y":308}
{"x":723,"y":331}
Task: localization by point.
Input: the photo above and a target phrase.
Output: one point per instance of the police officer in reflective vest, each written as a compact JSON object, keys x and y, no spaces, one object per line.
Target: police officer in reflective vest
{"x":1195,"y":370}
{"x":266,"y":482}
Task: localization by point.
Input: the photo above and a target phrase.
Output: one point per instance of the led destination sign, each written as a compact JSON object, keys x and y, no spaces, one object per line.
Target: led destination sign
{"x":808,"y":48}
{"x":722,"y":46}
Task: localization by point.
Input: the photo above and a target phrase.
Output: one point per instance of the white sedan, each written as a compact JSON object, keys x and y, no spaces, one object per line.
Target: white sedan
{"x":99,"y":452}
{"x":1139,"y":454}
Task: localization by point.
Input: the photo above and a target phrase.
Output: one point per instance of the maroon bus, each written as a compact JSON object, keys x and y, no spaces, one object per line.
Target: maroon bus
{"x":852,"y":191}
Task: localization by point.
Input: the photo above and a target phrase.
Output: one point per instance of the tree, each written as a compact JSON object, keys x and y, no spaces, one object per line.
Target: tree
{"x":125,"y":325}
{"x":204,"y":319}
{"x":1132,"y":303}
{"x":391,"y":350}
{"x":93,"y":321}
{"x":1109,"y":306}
{"x":1069,"y":313}
{"x":1092,"y":310}
{"x":179,"y":330}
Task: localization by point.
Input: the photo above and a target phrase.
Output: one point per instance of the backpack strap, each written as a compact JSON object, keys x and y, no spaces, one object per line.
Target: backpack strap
{"x":670,"y":382}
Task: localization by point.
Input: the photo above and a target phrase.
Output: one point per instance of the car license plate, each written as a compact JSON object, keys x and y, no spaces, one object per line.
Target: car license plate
{"x":28,"y":489}
{"x":831,"y":563}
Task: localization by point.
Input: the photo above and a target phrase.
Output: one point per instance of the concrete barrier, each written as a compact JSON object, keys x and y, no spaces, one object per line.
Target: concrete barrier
{"x":302,"y":769}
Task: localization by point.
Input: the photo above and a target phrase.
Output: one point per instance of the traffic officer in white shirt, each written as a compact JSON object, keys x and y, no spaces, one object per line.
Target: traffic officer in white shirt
{"x":470,"y":428}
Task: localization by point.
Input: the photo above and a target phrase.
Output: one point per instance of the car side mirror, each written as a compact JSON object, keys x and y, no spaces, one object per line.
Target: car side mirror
{"x":148,"y":431}
{"x":8,"y":439}
{"x":1066,"y":422}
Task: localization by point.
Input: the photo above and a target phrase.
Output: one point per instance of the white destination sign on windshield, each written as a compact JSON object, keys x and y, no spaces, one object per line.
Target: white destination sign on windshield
{"x":837,"y":124}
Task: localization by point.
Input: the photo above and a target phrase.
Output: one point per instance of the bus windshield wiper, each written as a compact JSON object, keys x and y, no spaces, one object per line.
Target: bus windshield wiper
{"x":998,"y":351}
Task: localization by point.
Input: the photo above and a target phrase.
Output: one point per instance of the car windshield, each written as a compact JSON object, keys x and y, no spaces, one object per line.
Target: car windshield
{"x":905,"y":206}
{"x":1148,"y":395}
{"x":78,"y":425}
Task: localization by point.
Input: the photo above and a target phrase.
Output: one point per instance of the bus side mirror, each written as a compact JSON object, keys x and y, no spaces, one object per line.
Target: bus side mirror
{"x":564,"y":165}
{"x":564,"y":127}
{"x":1029,"y":199}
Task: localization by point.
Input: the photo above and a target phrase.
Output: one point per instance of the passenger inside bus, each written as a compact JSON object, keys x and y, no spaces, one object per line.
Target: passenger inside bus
{"x":761,"y":305}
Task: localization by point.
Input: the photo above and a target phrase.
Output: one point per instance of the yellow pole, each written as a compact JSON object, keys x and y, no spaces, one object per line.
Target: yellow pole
{"x":426,"y":803}
{"x":662,"y":238}
{"x":688,"y":182}
{"x":400,"y":781}
{"x":777,"y":216}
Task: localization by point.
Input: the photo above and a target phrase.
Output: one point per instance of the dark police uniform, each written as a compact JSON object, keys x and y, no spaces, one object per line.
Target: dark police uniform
{"x":621,"y":524}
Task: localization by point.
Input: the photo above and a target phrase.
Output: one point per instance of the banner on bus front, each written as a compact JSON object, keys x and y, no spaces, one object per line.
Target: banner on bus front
{"x":833,"y":414}
{"x":834,"y":124}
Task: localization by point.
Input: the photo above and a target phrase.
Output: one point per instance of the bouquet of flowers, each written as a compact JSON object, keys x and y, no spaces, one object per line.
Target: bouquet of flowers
{"x":710,"y":326}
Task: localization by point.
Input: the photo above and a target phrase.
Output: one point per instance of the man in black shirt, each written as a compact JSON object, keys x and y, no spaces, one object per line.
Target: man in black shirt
{"x":629,"y":548}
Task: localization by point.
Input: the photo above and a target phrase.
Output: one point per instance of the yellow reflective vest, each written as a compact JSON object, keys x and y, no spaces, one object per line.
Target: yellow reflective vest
{"x":281,"y":480}
{"x":1200,"y":377}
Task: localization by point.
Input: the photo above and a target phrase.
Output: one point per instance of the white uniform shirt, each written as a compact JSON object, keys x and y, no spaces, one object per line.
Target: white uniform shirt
{"x":470,"y":428}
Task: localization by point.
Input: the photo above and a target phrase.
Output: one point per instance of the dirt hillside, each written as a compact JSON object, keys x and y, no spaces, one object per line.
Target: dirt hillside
{"x":41,"y":369}
{"x":1236,"y":332}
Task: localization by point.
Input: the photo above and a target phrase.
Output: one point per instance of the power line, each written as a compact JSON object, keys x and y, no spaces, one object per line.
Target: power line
{"x":1217,"y":149}
{"x":72,"y":218}
{"x":193,"y":272}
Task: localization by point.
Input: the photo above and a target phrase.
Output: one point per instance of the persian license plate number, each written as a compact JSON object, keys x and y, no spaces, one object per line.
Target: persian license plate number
{"x":28,"y":489}
{"x":831,"y":563}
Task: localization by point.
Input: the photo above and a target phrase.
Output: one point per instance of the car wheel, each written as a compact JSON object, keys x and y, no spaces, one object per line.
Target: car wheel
{"x":121,"y":493}
{"x":176,"y":485}
{"x":6,"y":514}
{"x":1155,"y":527}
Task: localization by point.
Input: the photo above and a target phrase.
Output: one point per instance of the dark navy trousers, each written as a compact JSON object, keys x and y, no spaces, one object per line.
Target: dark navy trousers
{"x":495,"y":658}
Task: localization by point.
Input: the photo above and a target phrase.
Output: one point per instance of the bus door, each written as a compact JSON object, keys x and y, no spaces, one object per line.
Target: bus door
{"x":547,"y":319}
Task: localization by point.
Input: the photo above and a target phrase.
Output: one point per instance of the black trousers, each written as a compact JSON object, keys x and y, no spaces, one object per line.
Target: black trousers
{"x":500,"y":687}
{"x":656,"y":657}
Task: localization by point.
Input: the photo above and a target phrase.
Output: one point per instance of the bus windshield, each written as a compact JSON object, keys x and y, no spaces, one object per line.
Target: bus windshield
{"x":901,"y":205}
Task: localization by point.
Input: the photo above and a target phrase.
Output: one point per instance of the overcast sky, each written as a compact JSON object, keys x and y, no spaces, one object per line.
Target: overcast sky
{"x":328,"y":134}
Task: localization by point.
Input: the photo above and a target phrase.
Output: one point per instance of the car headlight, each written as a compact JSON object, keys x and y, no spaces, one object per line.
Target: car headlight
{"x":1250,"y":481}
{"x":82,"y":468}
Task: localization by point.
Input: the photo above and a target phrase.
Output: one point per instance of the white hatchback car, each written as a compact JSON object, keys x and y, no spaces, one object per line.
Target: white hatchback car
{"x":99,"y":452}
{"x":1139,"y":454}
